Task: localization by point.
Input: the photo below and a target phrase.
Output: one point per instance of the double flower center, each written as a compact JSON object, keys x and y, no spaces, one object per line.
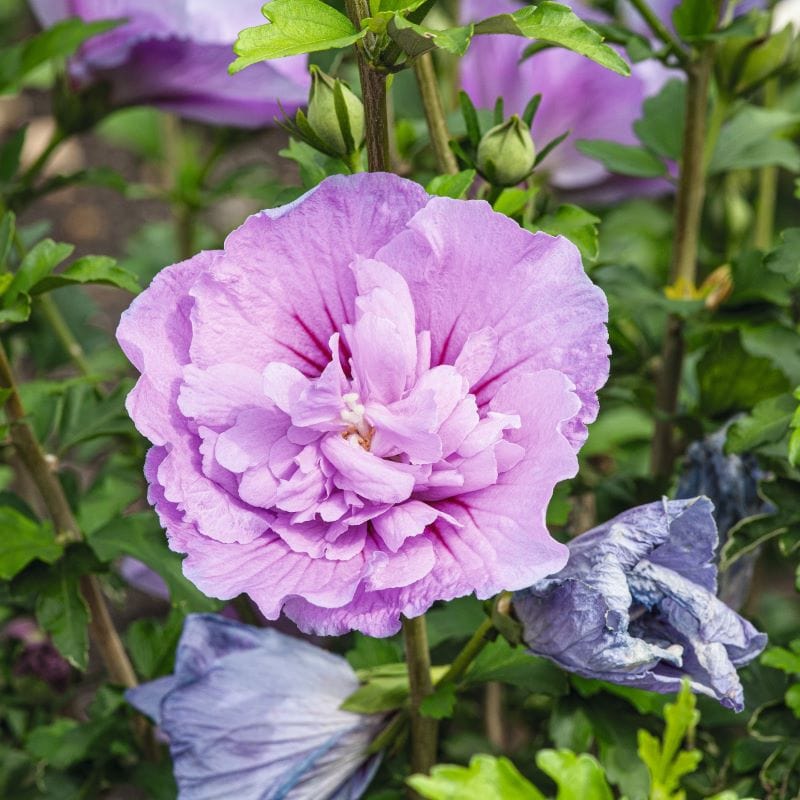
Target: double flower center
{"x":358,"y":429}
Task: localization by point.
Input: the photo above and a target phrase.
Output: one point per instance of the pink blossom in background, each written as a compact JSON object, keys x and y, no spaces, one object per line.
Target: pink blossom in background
{"x":174,"y":54}
{"x":578,"y":96}
{"x":362,"y":404}
{"x":38,"y":657}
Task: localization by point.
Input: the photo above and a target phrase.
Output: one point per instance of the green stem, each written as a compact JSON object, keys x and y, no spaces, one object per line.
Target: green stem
{"x":29,"y":176}
{"x":468,"y":654}
{"x":373,"y":93}
{"x":660,"y":30}
{"x":460,"y":664}
{"x":56,"y":320}
{"x":764,"y":228}
{"x":183,"y":215}
{"x":434,"y":114}
{"x":686,"y":236}
{"x":40,"y":469}
{"x":65,"y":336}
{"x":424,"y":730}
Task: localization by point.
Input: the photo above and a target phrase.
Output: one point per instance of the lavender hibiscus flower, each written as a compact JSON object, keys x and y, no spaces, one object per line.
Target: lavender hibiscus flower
{"x":578,"y":96}
{"x":362,"y":404}
{"x":174,"y":54}
{"x":254,"y":714}
{"x":637,"y":605}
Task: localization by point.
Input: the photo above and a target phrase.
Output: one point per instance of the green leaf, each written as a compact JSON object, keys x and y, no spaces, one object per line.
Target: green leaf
{"x":295,"y":27}
{"x":569,"y":726}
{"x":753,"y":282}
{"x":558,"y":25}
{"x":368,"y":652}
{"x":62,"y":40}
{"x":57,"y":42}
{"x":22,"y":540}
{"x":314,"y":166}
{"x":753,"y":138}
{"x":623,"y":159}
{"x":512,"y":200}
{"x":578,"y":777}
{"x":577,"y":224}
{"x":384,"y":688}
{"x":10,"y":153}
{"x":730,"y":379}
{"x":663,"y":119}
{"x":90,"y":269}
{"x":694,"y":18}
{"x":664,"y":759}
{"x":767,"y":423}
{"x":16,"y":309}
{"x":111,"y":494}
{"x":792,"y":699}
{"x":456,"y":620}
{"x":152,"y":644}
{"x":486,"y":778}
{"x":783,"y":525}
{"x":794,"y":440}
{"x":441,"y":703}
{"x":38,"y":263}
{"x":66,"y":742}
{"x":455,"y":186}
{"x":785,"y":258}
{"x":414,"y":39}
{"x":63,"y":613}
{"x":87,"y":416}
{"x":140,"y":536}
{"x":780,"y":658}
{"x":499,"y":661}
{"x":7,"y":230}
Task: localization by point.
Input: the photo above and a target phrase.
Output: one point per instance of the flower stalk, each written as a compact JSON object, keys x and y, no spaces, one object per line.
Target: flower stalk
{"x":660,"y":30}
{"x":434,"y":114}
{"x":373,"y":94}
{"x":424,"y":730}
{"x":686,"y":236}
{"x":767,"y":185}
{"x":47,"y":484}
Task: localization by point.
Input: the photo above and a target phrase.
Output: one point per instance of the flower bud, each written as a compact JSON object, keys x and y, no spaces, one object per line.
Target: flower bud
{"x":745,"y":62}
{"x":506,"y":153}
{"x":335,"y":114}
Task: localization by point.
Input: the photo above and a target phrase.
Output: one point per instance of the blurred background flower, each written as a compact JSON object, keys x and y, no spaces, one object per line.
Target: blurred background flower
{"x":730,"y":481}
{"x":38,"y":657}
{"x":174,"y":54}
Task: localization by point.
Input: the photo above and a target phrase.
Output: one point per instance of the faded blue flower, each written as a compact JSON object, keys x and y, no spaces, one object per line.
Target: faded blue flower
{"x":636,"y":605}
{"x":730,"y":481}
{"x":253,"y":714}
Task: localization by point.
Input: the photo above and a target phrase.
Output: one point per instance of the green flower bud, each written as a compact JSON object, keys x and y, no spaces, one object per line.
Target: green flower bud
{"x":506,"y":153}
{"x":335,"y":114}
{"x":745,"y":62}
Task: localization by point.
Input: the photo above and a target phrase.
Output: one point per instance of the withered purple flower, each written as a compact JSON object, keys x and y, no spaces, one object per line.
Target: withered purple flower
{"x":636,"y":605}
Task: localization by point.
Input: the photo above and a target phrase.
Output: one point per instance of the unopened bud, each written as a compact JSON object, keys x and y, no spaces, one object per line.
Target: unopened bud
{"x":335,"y":114}
{"x":506,"y":153}
{"x":745,"y":62}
